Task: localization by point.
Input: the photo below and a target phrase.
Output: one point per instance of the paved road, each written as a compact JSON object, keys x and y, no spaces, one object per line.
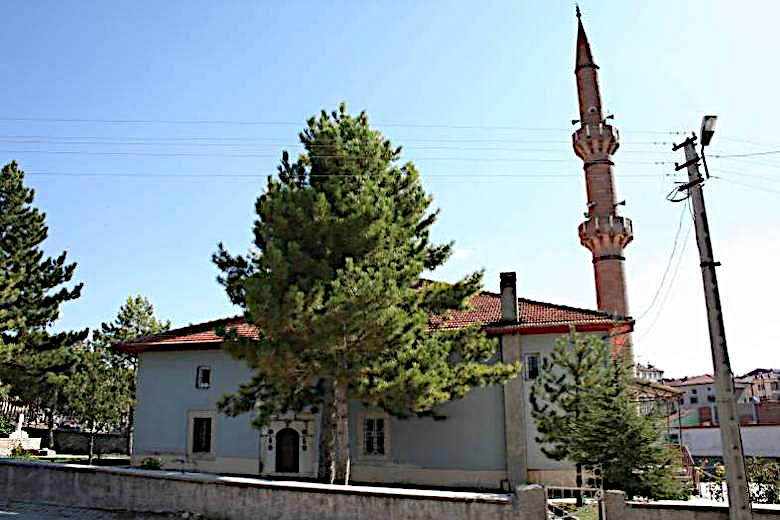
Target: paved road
{"x":16,"y":510}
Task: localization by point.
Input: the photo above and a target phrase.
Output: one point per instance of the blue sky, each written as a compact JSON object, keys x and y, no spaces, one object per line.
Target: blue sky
{"x":148,"y":128}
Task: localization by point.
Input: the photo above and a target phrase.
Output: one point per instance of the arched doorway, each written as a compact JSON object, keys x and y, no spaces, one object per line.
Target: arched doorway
{"x":287,"y":454}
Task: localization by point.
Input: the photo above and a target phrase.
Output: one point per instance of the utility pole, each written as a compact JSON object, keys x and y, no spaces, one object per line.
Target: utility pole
{"x":728,"y":418}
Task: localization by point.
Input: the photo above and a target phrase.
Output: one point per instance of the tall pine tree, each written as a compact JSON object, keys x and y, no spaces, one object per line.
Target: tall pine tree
{"x":335,"y":290}
{"x":34,"y":362}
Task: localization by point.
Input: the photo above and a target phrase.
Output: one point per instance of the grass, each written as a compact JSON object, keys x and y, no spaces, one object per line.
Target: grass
{"x":589,"y":511}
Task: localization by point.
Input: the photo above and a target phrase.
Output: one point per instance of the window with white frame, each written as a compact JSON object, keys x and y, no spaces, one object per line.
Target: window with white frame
{"x":203,"y":377}
{"x":375,"y":436}
{"x":531,"y":366}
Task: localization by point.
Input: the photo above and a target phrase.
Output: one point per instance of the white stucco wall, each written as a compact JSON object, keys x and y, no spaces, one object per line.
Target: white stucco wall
{"x":466,"y":449}
{"x":167,"y":395}
{"x":757,"y":441}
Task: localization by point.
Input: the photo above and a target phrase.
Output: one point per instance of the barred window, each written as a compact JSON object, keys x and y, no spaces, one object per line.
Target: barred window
{"x":201,"y":434}
{"x":531,"y":366}
{"x":374,"y":436}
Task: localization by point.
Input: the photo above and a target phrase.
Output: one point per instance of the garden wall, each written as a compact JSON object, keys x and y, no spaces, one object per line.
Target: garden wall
{"x":241,"y":498}
{"x":618,"y":509}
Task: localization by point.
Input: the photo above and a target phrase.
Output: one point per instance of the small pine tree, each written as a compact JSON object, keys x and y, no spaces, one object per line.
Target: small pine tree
{"x":98,"y":393}
{"x":335,"y":291}
{"x":585,"y":412}
{"x":136,"y":318}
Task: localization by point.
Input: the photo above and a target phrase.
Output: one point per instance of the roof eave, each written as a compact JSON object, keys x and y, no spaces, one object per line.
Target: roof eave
{"x":529,"y":330}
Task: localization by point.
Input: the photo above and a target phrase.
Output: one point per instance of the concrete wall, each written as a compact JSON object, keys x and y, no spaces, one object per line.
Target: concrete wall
{"x":237,"y":498}
{"x":757,"y":441}
{"x":618,"y":509}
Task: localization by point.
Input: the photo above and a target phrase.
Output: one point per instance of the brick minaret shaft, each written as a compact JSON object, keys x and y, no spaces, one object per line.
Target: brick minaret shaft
{"x":604,"y":233}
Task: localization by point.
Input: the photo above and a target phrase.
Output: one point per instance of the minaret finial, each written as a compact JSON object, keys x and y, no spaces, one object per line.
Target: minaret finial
{"x":577,"y":6}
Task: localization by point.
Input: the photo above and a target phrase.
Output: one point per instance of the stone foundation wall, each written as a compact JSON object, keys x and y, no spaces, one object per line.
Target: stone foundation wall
{"x":241,"y":498}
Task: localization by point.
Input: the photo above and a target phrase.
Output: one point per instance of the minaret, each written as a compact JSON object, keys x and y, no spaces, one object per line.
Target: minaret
{"x":604,"y":233}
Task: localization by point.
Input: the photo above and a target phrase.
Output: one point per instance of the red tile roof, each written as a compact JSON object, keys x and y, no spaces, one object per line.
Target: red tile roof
{"x":486,"y":309}
{"x":705,"y":379}
{"x":534,"y":318}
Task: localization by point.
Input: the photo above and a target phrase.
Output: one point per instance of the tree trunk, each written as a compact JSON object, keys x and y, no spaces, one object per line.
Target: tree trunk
{"x":578,"y":493}
{"x":327,"y":425}
{"x":91,"y":444}
{"x":130,"y":431}
{"x":341,"y":406}
{"x":50,"y":421}
{"x":131,"y":417}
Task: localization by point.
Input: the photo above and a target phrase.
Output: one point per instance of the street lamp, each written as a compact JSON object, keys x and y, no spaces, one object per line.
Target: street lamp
{"x":707,"y":129}
{"x":728,"y":414}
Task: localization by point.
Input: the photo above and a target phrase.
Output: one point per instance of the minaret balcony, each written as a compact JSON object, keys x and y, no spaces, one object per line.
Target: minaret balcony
{"x":595,"y":141}
{"x":606,"y":235}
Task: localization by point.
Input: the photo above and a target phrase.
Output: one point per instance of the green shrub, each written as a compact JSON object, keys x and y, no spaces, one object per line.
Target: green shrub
{"x":18,"y":452}
{"x":7,"y":425}
{"x":150,"y":463}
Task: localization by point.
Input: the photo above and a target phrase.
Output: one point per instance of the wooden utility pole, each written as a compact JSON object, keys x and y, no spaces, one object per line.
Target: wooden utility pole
{"x":728,"y":418}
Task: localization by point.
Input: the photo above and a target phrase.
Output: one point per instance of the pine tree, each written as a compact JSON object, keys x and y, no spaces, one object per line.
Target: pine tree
{"x":98,"y":393}
{"x":585,"y":410}
{"x":335,"y":290}
{"x":570,"y":378}
{"x":34,"y":363}
{"x":135,"y":319}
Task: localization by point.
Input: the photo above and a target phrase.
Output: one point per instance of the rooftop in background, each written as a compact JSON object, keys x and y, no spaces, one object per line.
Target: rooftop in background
{"x":763,"y":373}
{"x":534,"y":318}
{"x":705,"y":379}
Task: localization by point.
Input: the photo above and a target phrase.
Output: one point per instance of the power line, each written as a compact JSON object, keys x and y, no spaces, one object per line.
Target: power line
{"x":748,"y":154}
{"x":287,"y":142}
{"x":276,"y":156}
{"x":770,"y":178}
{"x":671,"y":282}
{"x":243,"y":145}
{"x":668,"y":265}
{"x":298,"y":124}
{"x":263,"y":176}
{"x":763,"y":189}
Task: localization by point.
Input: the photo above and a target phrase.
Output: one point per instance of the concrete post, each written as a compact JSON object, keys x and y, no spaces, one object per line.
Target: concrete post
{"x":615,"y":505}
{"x":531,"y":501}
{"x":728,"y":416}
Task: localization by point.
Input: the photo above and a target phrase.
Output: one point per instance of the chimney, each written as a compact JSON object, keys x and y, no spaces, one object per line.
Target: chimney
{"x":509,"y":297}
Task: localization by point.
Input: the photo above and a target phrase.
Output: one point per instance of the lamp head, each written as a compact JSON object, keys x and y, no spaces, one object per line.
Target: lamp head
{"x":707,"y":129}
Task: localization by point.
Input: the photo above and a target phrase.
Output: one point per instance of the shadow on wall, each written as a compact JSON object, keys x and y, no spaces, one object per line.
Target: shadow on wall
{"x":77,"y":443}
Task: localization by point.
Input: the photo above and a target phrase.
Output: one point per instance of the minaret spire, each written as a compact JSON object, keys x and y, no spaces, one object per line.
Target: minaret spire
{"x":604,"y":233}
